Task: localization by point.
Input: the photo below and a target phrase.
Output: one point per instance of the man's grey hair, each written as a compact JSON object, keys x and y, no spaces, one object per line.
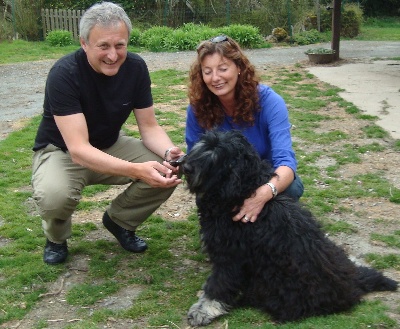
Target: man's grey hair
{"x":104,"y":14}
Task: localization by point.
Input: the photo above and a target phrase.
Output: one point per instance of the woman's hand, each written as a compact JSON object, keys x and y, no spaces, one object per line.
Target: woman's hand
{"x":252,"y":206}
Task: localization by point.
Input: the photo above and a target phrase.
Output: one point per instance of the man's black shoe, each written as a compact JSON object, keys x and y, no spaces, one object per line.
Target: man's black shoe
{"x":128,"y":239}
{"x":55,"y":253}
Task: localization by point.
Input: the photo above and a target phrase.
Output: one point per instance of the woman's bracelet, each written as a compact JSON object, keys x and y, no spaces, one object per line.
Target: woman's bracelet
{"x":274,"y":189}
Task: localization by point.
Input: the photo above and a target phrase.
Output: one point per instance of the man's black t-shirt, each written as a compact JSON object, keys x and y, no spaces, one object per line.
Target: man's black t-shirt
{"x":106,"y":101}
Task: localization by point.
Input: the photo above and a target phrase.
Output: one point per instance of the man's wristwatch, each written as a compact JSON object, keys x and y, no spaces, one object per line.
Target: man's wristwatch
{"x":167,"y":152}
{"x":273,"y":188}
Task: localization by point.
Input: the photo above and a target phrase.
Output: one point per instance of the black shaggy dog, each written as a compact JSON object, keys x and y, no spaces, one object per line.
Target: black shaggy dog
{"x":283,"y":263}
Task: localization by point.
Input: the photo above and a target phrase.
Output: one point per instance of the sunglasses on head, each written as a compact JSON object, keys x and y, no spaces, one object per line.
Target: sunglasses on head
{"x":217,"y":39}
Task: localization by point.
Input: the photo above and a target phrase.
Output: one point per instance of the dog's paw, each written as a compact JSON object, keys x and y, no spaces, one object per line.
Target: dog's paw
{"x":205,"y":311}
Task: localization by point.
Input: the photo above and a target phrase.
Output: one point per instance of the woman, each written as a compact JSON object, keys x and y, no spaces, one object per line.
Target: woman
{"x":225,"y":93}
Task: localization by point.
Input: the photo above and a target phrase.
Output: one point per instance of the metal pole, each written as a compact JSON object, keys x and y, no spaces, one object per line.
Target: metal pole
{"x":336,"y":27}
{"x":165,"y":12}
{"x":228,"y":12}
{"x":13,"y":18}
{"x":289,"y":23}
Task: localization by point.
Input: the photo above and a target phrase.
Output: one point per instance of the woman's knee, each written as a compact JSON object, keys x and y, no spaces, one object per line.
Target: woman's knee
{"x":296,"y":189}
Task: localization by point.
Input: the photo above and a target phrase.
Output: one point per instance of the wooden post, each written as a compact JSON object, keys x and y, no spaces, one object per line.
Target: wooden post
{"x":69,"y":20}
{"x":48,"y":22}
{"x":337,"y":4}
{"x":44,"y":24}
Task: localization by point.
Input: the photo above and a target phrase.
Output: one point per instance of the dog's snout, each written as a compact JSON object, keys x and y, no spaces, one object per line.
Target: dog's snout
{"x":186,"y":168}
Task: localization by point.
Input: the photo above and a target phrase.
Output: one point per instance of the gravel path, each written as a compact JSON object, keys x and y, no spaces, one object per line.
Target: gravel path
{"x":22,"y":84}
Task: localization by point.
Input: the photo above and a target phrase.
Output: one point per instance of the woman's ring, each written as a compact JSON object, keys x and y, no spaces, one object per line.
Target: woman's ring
{"x":246,"y":218}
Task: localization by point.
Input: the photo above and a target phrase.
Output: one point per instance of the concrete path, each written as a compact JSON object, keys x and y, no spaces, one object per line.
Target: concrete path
{"x":373,"y":87}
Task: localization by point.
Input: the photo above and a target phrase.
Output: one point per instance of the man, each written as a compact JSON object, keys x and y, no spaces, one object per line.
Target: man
{"x":89,"y":95}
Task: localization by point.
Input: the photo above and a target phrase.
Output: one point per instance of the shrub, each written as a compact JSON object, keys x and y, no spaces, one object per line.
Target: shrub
{"x":268,"y":14}
{"x":20,"y":19}
{"x":59,"y":38}
{"x":307,"y":37}
{"x":246,"y":35}
{"x":134,"y":38}
{"x":161,"y":38}
{"x":6,"y":29}
{"x":26,"y":19}
{"x":351,"y":20}
{"x":154,"y":38}
{"x":279,"y":33}
{"x":377,"y":8}
{"x":352,"y":17}
{"x":265,"y":19}
{"x":192,"y":28}
{"x":180,"y":40}
{"x":206,"y":33}
{"x":192,"y":34}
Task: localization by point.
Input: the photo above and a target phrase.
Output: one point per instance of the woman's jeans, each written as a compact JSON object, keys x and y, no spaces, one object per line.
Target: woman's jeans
{"x":295,"y":190}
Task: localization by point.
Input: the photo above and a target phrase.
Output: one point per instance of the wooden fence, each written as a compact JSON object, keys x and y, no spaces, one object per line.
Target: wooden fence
{"x":61,"y":19}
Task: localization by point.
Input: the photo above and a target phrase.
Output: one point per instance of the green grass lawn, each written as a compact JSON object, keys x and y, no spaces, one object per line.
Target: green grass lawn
{"x":173,"y":269}
{"x":384,"y":29}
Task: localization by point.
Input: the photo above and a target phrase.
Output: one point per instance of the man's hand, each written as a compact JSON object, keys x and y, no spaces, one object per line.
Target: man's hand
{"x":156,"y":175}
{"x":172,"y":154}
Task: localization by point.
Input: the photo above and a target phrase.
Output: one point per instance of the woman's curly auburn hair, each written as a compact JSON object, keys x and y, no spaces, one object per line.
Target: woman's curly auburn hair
{"x":207,"y":107}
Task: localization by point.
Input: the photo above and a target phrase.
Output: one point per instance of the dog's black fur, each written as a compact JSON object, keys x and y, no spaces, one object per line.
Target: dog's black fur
{"x":282,"y":263}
